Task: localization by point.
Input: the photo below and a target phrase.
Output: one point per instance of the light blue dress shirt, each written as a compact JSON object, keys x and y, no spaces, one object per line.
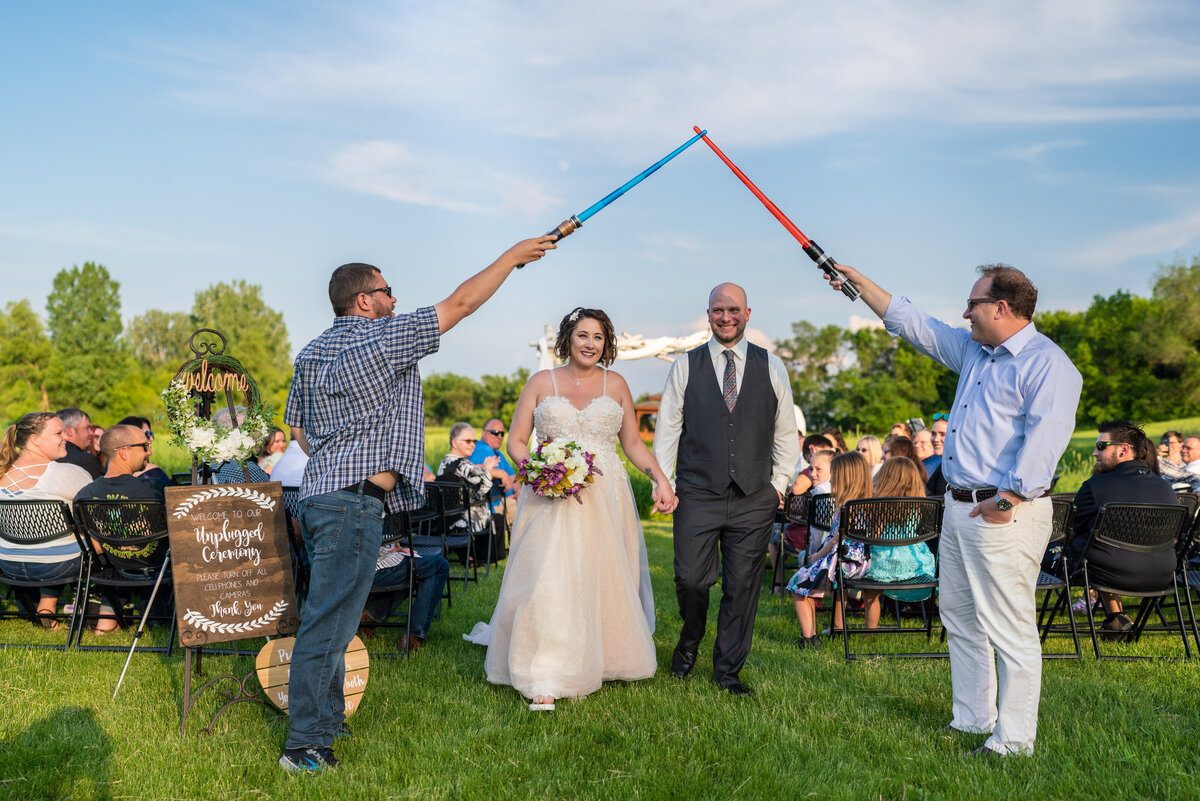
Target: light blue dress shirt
{"x":1014,"y":409}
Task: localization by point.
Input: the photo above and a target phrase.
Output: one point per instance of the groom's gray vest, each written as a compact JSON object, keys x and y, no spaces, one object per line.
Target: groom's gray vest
{"x":718,"y":447}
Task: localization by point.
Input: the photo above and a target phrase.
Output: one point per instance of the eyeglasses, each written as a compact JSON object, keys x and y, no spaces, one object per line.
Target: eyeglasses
{"x":494,"y":433}
{"x":1102,"y":444}
{"x":941,"y":416}
{"x":468,"y":441}
{"x":145,"y":446}
{"x":149,"y":436}
{"x":973,"y":302}
{"x":386,"y":289}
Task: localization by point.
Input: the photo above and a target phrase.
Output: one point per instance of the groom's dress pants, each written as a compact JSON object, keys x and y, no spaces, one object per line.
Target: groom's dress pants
{"x":736,"y":528}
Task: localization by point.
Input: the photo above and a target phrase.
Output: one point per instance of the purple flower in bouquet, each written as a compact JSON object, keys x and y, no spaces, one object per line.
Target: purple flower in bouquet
{"x":558,"y":469}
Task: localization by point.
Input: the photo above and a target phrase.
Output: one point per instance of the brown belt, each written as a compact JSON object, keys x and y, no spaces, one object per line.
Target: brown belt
{"x":973,"y":495}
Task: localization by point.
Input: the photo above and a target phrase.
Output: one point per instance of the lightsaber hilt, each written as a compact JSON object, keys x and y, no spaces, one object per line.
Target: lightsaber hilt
{"x":563,"y":229}
{"x":831,"y":269}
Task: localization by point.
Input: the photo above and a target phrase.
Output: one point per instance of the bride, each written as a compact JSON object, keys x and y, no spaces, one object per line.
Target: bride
{"x":575,"y":606}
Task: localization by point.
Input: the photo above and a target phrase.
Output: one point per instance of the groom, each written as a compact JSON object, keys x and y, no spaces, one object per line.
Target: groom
{"x":726,"y":415}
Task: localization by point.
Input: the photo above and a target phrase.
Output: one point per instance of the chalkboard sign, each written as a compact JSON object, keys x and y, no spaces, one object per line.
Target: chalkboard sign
{"x":274,"y":664}
{"x":232,"y":564}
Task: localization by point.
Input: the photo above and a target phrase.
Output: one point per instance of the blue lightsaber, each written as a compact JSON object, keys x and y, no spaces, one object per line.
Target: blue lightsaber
{"x":575,"y":222}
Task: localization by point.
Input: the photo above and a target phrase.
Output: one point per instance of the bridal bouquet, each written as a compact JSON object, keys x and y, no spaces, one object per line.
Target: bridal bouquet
{"x":558,"y":469}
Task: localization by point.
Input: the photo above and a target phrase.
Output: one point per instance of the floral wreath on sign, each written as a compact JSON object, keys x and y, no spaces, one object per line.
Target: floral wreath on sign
{"x":205,"y":440}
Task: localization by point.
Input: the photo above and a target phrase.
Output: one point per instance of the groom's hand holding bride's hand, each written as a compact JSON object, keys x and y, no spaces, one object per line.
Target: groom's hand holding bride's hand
{"x":664,"y":499}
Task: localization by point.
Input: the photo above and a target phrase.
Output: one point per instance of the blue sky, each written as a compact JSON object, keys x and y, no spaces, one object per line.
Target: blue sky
{"x":181,"y":144}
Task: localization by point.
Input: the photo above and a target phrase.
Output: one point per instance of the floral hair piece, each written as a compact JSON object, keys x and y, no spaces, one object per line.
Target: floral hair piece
{"x":575,"y":315}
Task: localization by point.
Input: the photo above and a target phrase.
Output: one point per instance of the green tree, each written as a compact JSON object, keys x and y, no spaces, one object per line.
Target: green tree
{"x":84,"y":320}
{"x":1172,"y":346}
{"x":448,"y":398}
{"x":159,"y":339}
{"x":26,"y":355}
{"x":254,"y":333}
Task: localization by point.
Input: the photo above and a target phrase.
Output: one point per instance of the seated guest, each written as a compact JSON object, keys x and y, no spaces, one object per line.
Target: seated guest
{"x":504,"y":483}
{"x":813,"y":443}
{"x":229,"y":471}
{"x":1190,"y":453}
{"x":899,"y":478}
{"x":1120,"y":475}
{"x":923,"y":445}
{"x":289,"y":470}
{"x":126,"y":449}
{"x":391,"y":569}
{"x":895,"y":446}
{"x":29,"y":471}
{"x":834,"y":435}
{"x":901,"y":430}
{"x":149,"y":471}
{"x":872,"y":450}
{"x":272,"y":450}
{"x":1171,"y":463}
{"x":94,"y":442}
{"x":77,"y":436}
{"x":941,"y":422}
{"x":475,"y":478}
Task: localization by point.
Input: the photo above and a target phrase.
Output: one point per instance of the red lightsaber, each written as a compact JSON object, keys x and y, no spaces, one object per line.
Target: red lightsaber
{"x":810,"y":247}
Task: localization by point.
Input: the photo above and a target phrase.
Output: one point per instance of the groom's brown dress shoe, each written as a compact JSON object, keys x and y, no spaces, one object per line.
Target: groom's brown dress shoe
{"x":682,"y":662}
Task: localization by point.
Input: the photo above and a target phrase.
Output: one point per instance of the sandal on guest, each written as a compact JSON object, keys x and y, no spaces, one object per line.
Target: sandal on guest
{"x":47,"y":621}
{"x":542,"y":703}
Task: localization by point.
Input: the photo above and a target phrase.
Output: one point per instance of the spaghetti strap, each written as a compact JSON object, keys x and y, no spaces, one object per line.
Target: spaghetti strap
{"x":604,"y":385}
{"x":553,"y":381}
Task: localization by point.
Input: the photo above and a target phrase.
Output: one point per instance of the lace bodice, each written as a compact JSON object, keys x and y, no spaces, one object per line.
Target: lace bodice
{"x":594,"y":427}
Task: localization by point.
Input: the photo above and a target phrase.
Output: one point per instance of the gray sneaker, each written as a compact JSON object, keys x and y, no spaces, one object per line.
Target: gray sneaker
{"x":307,"y":760}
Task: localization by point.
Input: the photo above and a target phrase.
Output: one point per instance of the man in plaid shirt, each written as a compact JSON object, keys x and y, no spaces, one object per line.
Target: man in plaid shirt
{"x":356,"y":408}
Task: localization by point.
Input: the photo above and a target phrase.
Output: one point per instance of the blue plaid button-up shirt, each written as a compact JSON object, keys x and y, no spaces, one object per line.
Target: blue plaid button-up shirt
{"x":356,"y":392}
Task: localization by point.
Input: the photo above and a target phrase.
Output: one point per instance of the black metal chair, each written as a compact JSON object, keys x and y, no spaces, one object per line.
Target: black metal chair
{"x":1138,"y":528}
{"x":1055,"y":585}
{"x":794,"y":512}
{"x":397,"y":527}
{"x":25,"y":523}
{"x":300,"y":563}
{"x":880,"y":523}
{"x":127,"y":548}
{"x":452,"y":504}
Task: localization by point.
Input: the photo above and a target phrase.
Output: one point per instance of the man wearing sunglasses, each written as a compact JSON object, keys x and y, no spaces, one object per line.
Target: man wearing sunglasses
{"x":356,"y":408}
{"x":1121,"y":475}
{"x":503,"y":481}
{"x":1013,"y":414}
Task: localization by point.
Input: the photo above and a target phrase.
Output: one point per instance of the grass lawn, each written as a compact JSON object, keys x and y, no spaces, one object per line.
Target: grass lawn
{"x":432,"y":727}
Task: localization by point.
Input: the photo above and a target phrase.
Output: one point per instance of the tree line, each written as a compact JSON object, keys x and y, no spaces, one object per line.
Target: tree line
{"x":1139,"y":357}
{"x":83,"y":355}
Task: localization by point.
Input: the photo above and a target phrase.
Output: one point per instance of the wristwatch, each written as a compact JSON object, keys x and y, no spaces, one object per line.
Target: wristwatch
{"x":1003,"y":504}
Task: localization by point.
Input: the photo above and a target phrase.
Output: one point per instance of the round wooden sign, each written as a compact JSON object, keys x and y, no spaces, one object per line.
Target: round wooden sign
{"x":274,"y":665}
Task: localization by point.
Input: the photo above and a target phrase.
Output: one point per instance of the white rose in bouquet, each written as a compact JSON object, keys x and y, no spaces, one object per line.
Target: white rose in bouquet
{"x":200,"y":438}
{"x":577,"y":468}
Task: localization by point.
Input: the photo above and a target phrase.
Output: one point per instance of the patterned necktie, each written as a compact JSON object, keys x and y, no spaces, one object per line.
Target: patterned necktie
{"x":729,"y":383}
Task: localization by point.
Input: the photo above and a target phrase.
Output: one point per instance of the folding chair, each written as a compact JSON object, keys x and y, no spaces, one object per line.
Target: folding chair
{"x":397,"y":527}
{"x":300,"y":563}
{"x":126,"y":547}
{"x":31,"y":523}
{"x":880,"y":523}
{"x":1138,"y":528}
{"x":426,"y":525}
{"x":1056,"y":585}
{"x":795,"y":512}
{"x":452,"y":504}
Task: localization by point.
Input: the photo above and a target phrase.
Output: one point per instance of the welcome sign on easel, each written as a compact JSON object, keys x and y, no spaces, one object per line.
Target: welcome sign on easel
{"x":232,"y":563}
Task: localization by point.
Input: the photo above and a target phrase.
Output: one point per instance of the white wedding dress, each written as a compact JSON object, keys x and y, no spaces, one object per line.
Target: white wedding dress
{"x":575,"y":606}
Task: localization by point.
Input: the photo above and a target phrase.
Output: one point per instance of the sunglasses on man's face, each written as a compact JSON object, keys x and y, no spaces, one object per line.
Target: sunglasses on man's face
{"x":494,"y":433}
{"x":940,"y":416}
{"x":145,"y":446}
{"x":385,"y":289}
{"x":1102,"y":444}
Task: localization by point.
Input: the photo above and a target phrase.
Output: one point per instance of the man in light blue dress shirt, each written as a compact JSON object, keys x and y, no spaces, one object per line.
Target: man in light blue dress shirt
{"x":1013,"y":414}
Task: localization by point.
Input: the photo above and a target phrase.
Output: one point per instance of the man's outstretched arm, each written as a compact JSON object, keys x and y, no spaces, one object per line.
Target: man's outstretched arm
{"x":474,"y":292}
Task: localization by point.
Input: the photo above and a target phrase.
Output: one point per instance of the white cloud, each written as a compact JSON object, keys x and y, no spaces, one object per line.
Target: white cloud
{"x":1034,"y":152}
{"x":109,"y":237}
{"x":1154,"y":239}
{"x":624,"y":74}
{"x":390,"y":169}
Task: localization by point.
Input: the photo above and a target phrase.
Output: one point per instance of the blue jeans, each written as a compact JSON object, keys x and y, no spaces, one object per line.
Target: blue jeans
{"x":67,"y":571}
{"x":342,"y":534}
{"x":431,"y":570}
